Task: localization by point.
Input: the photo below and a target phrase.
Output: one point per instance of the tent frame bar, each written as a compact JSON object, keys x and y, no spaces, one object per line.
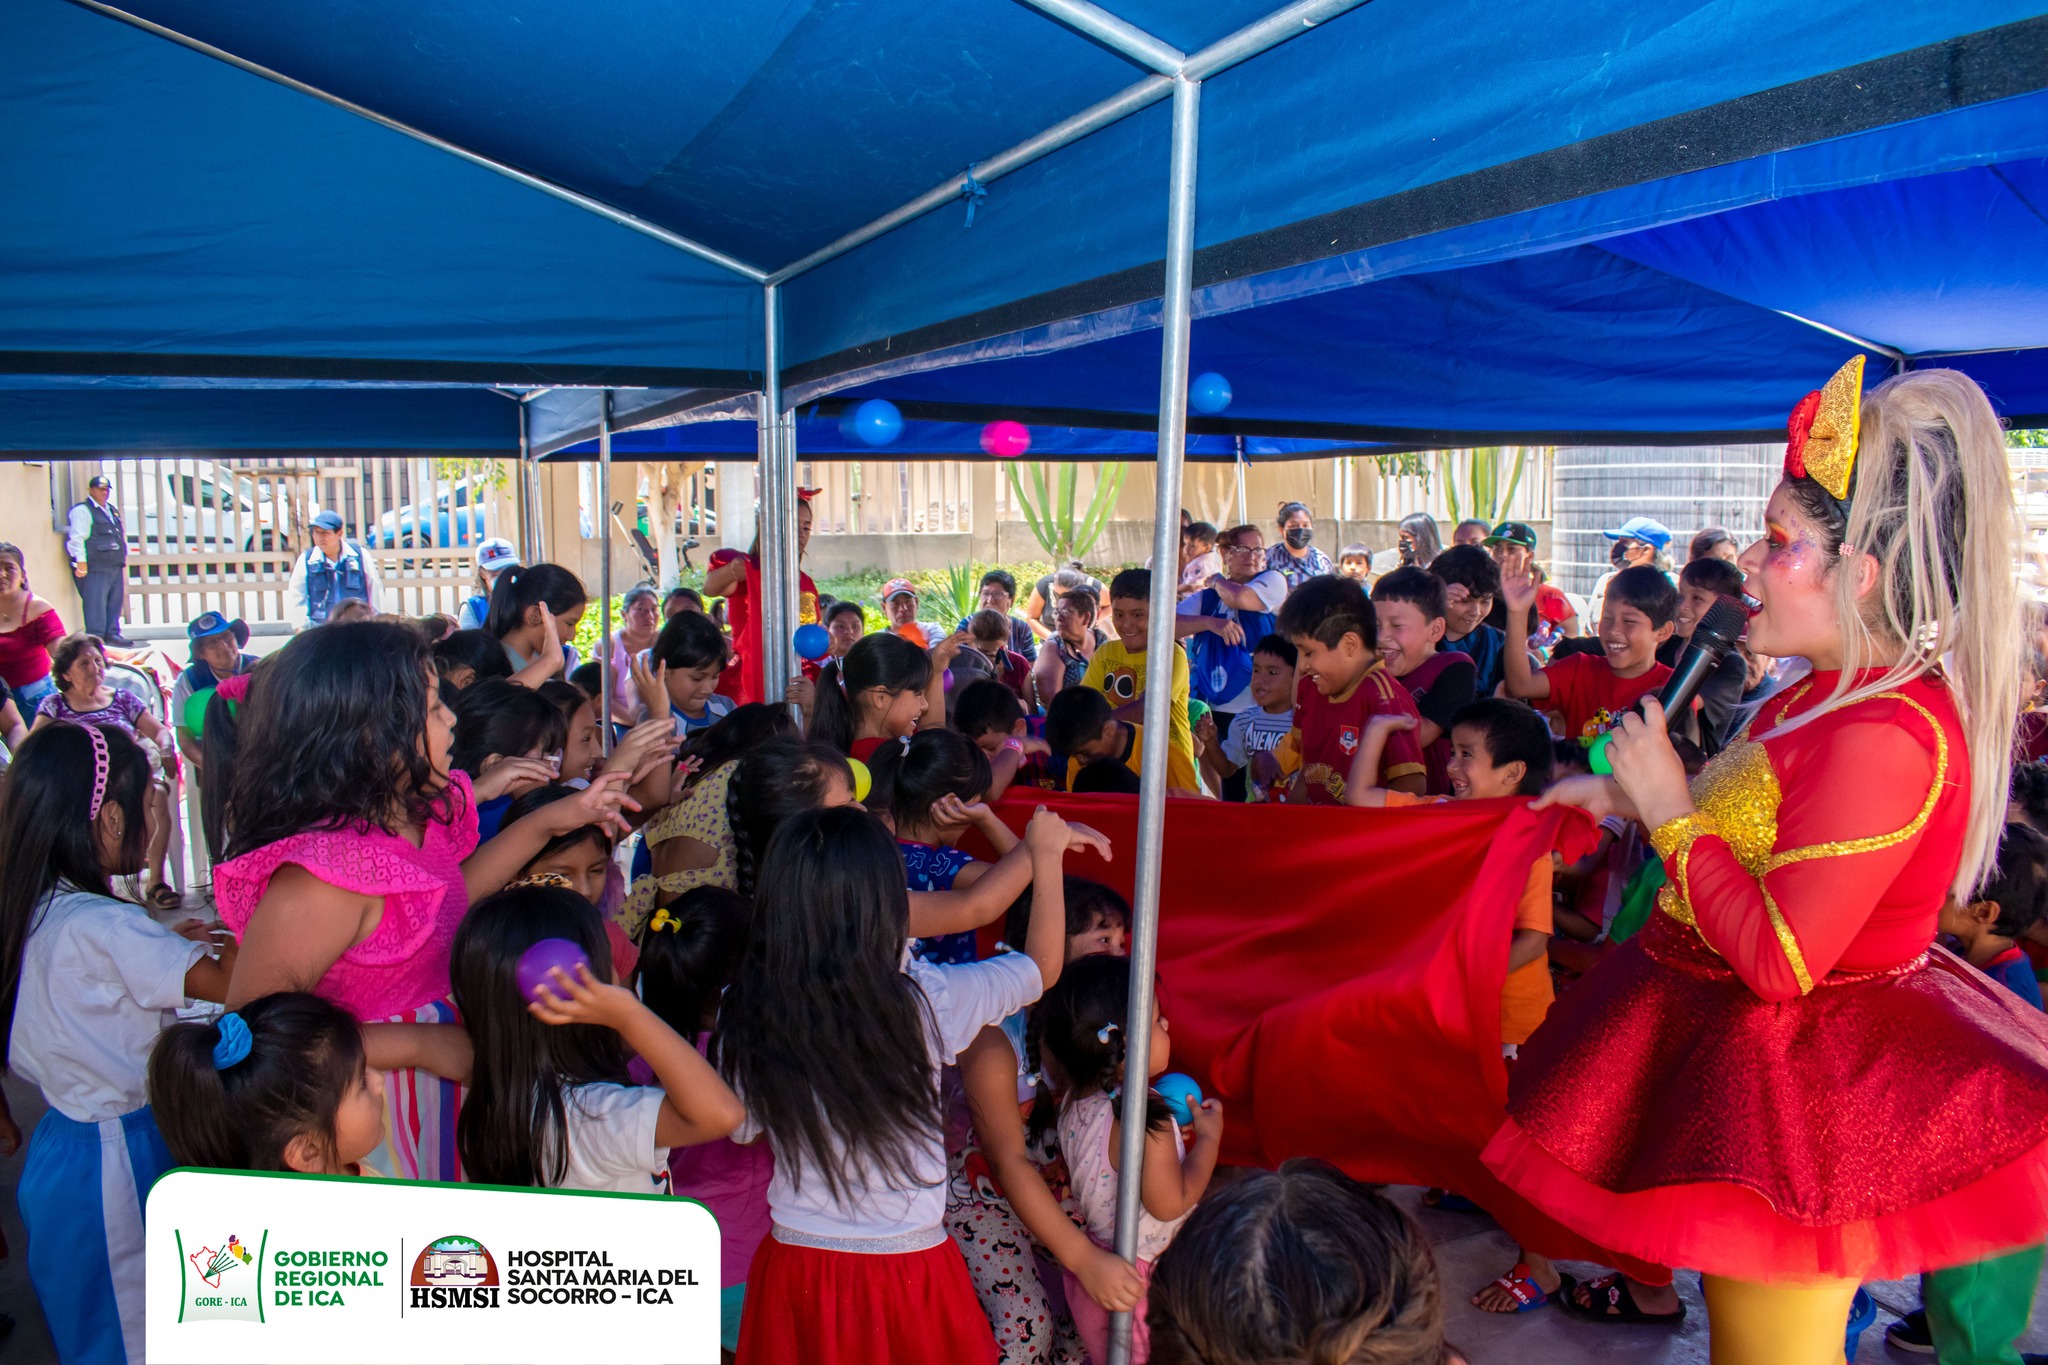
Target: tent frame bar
{"x":1224,"y":53}
{"x":548,"y":187}
{"x":1119,"y":36}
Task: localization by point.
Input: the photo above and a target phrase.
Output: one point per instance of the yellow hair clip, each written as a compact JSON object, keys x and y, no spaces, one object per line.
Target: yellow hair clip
{"x":664,"y":920}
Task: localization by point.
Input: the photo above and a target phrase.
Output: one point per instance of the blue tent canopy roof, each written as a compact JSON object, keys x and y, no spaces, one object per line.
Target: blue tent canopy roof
{"x":1578,"y":221}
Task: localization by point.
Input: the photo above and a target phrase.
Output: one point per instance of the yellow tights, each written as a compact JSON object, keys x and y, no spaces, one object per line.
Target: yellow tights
{"x":1777,"y":1324}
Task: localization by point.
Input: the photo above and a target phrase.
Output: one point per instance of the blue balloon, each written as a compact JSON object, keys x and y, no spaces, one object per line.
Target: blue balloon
{"x":812,"y":641}
{"x":1210,"y":393}
{"x":1181,"y":1094}
{"x":875,"y":422}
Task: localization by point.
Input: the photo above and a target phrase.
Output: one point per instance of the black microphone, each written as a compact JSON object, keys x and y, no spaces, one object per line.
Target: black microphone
{"x":1713,"y":635}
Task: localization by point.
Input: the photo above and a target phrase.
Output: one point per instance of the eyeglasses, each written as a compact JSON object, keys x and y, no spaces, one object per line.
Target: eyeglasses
{"x":1244,"y":549}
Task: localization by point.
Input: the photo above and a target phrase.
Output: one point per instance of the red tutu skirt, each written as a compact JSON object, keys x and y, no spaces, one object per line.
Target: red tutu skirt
{"x":818,"y":1307}
{"x":1884,"y":1123}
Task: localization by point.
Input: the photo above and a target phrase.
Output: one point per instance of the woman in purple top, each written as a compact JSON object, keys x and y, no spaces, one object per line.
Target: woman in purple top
{"x":353,"y":855}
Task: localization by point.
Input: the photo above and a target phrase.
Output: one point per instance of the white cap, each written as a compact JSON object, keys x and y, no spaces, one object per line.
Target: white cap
{"x":495,"y":554}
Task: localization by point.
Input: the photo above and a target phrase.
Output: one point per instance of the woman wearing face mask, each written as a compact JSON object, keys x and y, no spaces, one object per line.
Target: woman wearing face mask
{"x":1421,"y":543}
{"x":1296,"y":558}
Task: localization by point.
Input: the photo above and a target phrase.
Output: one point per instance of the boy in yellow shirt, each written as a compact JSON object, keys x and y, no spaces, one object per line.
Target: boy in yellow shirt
{"x":1118,"y":670}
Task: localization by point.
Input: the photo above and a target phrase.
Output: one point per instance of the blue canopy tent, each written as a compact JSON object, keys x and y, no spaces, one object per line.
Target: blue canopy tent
{"x":1602,"y":221}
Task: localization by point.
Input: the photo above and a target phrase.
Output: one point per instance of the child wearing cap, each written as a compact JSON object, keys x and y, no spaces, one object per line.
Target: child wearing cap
{"x":1513,"y":547}
{"x":1639,"y":540}
{"x":493,"y":557}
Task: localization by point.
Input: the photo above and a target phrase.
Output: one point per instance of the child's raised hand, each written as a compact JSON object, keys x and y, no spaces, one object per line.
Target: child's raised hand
{"x":511,"y":777}
{"x":1518,"y":591}
{"x":597,"y":804}
{"x":1387,"y":723}
{"x":651,"y":683}
{"x":1208,"y":1122}
{"x":800,"y":692}
{"x":946,"y":650}
{"x":646,"y":745}
{"x":1048,"y":833}
{"x":685,"y":770}
{"x":581,"y":999}
{"x":951,"y":810}
{"x":1109,"y":1279}
{"x":1036,"y":748}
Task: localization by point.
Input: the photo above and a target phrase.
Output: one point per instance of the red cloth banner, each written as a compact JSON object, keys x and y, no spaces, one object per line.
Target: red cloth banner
{"x":1334,"y":976}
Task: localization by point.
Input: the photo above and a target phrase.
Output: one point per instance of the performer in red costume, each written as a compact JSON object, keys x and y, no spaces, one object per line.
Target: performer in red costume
{"x":1780,"y":1081}
{"x":737,"y":578}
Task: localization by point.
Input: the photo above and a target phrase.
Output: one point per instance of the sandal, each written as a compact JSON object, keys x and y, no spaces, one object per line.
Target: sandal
{"x":1528,"y":1294}
{"x":1609,"y":1300}
{"x":162,"y":897}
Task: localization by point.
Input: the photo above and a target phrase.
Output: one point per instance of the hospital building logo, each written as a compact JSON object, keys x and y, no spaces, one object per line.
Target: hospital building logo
{"x":454,"y":1272}
{"x":219,"y":1277}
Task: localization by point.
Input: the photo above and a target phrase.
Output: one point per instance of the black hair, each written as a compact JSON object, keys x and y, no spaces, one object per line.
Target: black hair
{"x":1715,"y":575}
{"x":1131,"y":583}
{"x":687,"y":963}
{"x":1644,"y":587}
{"x":1003,"y":578}
{"x":986,"y":705}
{"x":305,"y":1058}
{"x":48,"y":835}
{"x":743,"y":729}
{"x":501,"y":717}
{"x":587,"y":678}
{"x":1327,"y":608}
{"x":1202,"y":533}
{"x":218,"y":742}
{"x":689,"y":640}
{"x":476,"y":650}
{"x":908,"y":778}
{"x":527,"y":803}
{"x":567,"y":698}
{"x":845,"y":1085}
{"x":1288,"y":509}
{"x":885,"y":660}
{"x":1087,"y":902}
{"x":682,"y":595}
{"x":1703,"y":544}
{"x":1471,"y":566}
{"x":2019,"y":885}
{"x":331,"y":738}
{"x":1514,"y":734}
{"x":1420,"y":588}
{"x":635,"y":594}
{"x":523,"y":586}
{"x":1079,"y":1024}
{"x":1280,"y":647}
{"x":839,"y":609}
{"x":2029,"y":790}
{"x":775,"y":781}
{"x":1075,"y":717}
{"x":1305,"y":1264}
{"x":513,"y":1129}
{"x":1421,"y":528}
{"x":67,"y":652}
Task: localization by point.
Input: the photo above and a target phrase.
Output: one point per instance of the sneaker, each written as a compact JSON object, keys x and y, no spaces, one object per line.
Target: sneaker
{"x":1911,"y":1333}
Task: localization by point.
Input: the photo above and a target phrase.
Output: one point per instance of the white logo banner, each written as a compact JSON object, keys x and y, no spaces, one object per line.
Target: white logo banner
{"x":262,"y":1269}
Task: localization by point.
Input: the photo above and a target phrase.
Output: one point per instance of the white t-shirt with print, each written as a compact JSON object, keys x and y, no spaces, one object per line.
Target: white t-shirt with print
{"x":611,"y":1139}
{"x":964,"y":999}
{"x":1255,"y":730}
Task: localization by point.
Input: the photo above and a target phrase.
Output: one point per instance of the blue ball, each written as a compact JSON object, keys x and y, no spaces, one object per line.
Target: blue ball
{"x":1210,"y":393}
{"x":1181,"y":1094}
{"x":875,"y":422}
{"x":812,"y":641}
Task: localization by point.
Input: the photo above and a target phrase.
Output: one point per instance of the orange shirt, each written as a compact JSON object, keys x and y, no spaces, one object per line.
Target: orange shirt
{"x":1526,"y":995}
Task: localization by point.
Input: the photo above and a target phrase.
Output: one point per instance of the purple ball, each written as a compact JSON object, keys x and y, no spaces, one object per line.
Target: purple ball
{"x":947,"y":681}
{"x":536,"y":962}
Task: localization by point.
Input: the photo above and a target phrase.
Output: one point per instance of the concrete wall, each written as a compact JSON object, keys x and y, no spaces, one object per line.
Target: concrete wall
{"x":27,"y":518}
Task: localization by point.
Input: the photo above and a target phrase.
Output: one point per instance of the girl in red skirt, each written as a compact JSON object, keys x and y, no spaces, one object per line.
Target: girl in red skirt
{"x":1780,"y":1081}
{"x":834,"y":1038}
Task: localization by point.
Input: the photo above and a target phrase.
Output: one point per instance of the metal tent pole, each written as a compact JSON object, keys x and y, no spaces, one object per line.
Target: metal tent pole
{"x":604,"y":572}
{"x":529,"y":504}
{"x":1159,"y":647}
{"x":777,"y":520}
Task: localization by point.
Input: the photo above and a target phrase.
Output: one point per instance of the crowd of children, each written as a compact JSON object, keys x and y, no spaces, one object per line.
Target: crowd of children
{"x":921,"y":1162}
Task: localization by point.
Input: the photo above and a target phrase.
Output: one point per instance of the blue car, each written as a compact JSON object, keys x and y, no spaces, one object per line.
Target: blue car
{"x":459,"y":524}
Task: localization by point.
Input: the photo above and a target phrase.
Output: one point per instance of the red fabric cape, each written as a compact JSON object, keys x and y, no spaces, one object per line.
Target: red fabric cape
{"x":1334,"y":976}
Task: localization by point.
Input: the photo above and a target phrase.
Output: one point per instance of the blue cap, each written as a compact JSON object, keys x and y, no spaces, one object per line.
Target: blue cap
{"x":1641,"y":528}
{"x":211,"y":623}
{"x":327,"y":521}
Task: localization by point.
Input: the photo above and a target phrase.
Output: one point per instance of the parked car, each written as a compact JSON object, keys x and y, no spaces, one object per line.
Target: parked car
{"x":194,"y":504}
{"x":459,"y":517}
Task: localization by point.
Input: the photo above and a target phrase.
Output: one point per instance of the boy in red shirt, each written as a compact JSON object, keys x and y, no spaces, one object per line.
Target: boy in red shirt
{"x":1343,"y":686}
{"x":1589,"y":690}
{"x":1410,"y":604}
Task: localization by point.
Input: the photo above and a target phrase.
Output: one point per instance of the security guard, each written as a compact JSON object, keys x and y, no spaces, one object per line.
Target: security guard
{"x":98,"y":546}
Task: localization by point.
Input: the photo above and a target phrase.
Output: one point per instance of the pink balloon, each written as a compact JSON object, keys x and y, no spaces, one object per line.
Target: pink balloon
{"x":1005,"y":439}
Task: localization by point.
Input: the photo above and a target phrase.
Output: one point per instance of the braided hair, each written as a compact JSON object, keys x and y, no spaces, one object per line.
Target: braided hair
{"x":1079,"y":1026}
{"x":775,"y":781}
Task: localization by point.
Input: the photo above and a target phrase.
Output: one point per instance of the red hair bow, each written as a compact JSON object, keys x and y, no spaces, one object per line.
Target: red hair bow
{"x":1797,"y":427}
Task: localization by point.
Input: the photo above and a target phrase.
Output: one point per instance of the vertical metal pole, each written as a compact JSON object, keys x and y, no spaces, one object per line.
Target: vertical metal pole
{"x":529,"y":505}
{"x":777,"y":522}
{"x":1243,"y":513}
{"x":604,"y":572}
{"x":1159,"y":647}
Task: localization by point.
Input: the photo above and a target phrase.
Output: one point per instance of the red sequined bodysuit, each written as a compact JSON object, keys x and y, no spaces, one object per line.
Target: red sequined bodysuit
{"x":1780,"y":1078}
